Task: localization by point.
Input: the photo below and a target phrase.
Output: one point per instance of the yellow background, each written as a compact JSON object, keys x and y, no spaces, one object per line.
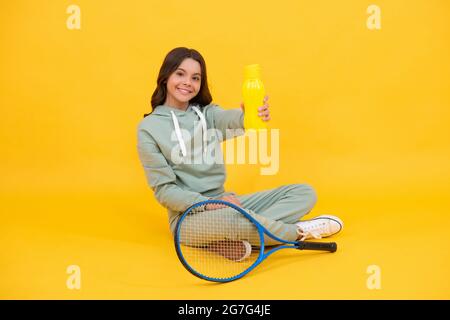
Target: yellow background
{"x":363,"y":117}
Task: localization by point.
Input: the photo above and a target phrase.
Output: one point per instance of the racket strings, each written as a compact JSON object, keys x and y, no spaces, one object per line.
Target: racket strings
{"x":217,"y":243}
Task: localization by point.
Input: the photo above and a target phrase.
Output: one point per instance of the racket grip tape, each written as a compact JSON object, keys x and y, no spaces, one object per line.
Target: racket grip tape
{"x":322,"y":246}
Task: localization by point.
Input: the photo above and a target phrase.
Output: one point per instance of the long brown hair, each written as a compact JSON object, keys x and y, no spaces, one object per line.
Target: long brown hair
{"x":171,"y":63}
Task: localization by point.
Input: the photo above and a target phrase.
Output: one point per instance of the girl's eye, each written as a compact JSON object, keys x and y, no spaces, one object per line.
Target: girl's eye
{"x":180,"y":74}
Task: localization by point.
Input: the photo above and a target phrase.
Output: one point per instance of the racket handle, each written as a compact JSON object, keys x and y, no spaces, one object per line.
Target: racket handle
{"x":323,"y":246}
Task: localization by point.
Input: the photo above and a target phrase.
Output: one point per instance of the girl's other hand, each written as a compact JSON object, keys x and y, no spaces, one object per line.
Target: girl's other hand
{"x":230,"y":198}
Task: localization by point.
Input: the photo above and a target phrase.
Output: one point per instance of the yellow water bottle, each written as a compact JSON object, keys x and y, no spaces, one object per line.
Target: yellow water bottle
{"x":253,"y":94}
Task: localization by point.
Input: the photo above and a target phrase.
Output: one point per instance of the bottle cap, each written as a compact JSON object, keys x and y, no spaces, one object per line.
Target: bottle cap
{"x":252,"y":71}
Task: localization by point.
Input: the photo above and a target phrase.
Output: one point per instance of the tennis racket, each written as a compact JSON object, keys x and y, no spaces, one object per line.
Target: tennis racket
{"x":218,"y":241}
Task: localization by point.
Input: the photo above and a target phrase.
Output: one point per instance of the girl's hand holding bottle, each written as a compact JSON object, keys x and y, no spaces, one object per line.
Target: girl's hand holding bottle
{"x":263,"y":111}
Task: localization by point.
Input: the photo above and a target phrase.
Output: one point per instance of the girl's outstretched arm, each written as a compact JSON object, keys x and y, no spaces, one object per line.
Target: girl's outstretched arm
{"x":229,"y":123}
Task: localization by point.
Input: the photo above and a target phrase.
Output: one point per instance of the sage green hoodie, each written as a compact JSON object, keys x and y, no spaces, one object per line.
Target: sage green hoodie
{"x":181,"y":155}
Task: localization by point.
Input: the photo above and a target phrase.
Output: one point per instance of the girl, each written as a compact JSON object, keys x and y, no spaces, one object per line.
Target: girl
{"x":174,"y":160}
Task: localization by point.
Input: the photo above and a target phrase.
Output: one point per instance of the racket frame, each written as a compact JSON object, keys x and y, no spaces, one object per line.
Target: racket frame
{"x":301,"y":245}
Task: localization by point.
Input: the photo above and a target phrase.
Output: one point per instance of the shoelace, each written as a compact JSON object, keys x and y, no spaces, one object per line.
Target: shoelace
{"x":315,"y":232}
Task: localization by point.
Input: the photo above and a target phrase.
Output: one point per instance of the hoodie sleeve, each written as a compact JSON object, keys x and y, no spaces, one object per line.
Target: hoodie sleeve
{"x":230,"y":123}
{"x":161,"y":178}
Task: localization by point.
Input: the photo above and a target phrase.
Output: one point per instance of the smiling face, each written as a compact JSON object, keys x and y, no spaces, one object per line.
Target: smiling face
{"x":183,"y":84}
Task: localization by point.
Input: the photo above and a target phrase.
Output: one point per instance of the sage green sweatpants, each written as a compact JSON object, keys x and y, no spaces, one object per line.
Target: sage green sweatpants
{"x":277,"y":210}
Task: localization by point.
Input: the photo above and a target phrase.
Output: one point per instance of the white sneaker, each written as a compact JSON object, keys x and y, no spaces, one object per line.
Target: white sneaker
{"x":319,"y":227}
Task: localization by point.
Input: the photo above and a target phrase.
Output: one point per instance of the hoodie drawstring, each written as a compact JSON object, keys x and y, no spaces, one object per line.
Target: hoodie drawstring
{"x":203,"y":121}
{"x":178,"y":133}
{"x":180,"y":137}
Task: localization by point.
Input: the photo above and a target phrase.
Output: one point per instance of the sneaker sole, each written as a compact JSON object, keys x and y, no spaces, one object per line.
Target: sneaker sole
{"x":248,"y":251}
